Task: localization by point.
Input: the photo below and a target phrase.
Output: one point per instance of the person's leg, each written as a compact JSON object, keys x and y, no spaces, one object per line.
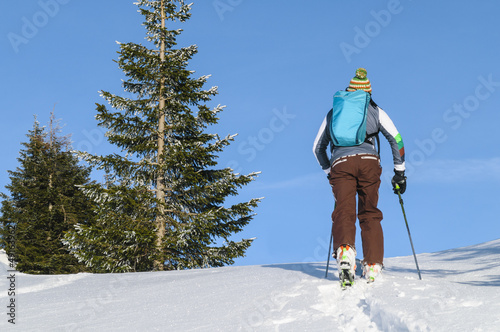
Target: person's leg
{"x":369,"y":215}
{"x":344,"y":186}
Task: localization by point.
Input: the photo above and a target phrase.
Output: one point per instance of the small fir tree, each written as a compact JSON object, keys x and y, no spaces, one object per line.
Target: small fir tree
{"x":163,"y":204}
{"x":44,"y":203}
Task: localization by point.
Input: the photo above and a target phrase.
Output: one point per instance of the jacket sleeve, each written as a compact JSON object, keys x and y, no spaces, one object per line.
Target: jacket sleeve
{"x":320,"y":146}
{"x":389,"y":130}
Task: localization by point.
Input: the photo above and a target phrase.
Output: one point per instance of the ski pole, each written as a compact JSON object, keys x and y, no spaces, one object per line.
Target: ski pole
{"x":330,"y":246}
{"x":329,"y":251}
{"x":408,"y":228}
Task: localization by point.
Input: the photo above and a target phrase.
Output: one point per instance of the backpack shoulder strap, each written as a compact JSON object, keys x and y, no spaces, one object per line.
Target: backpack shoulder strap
{"x":375,"y":135}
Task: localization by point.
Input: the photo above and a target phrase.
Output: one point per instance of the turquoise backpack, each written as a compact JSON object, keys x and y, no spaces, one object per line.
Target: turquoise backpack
{"x":348,"y":122}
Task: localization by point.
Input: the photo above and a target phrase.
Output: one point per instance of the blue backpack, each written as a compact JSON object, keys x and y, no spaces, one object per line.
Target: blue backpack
{"x":348,"y":123}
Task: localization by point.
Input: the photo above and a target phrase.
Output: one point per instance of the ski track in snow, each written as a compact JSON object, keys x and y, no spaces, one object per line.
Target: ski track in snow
{"x":460,"y":291}
{"x":357,"y":309}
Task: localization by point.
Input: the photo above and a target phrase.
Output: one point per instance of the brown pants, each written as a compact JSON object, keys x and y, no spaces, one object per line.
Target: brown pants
{"x":359,"y":174}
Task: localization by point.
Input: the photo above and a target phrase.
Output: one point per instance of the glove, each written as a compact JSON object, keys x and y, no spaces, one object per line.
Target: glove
{"x":329,"y":177}
{"x":399,"y":182}
{"x":327,"y":171}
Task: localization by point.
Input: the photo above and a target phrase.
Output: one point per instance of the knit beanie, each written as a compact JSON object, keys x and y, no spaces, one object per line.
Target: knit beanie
{"x":360,"y":81}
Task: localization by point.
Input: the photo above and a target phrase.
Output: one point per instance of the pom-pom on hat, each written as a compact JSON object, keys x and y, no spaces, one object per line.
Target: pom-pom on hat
{"x":360,"y":81}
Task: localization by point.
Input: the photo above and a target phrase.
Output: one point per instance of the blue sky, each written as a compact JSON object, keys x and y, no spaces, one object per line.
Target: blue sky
{"x":433,"y":68}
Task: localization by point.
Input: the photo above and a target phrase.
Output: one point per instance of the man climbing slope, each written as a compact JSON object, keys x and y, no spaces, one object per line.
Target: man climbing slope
{"x":351,"y":129}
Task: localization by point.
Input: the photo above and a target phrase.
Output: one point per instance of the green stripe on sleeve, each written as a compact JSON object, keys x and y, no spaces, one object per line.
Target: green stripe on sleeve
{"x":399,"y":140}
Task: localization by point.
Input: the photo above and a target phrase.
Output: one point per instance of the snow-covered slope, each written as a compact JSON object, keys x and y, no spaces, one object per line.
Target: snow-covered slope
{"x":460,"y":291}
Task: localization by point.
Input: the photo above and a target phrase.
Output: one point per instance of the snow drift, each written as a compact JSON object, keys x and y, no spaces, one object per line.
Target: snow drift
{"x":460,"y":291}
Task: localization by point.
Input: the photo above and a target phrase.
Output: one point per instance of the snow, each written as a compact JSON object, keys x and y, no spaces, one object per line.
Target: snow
{"x":459,"y":291}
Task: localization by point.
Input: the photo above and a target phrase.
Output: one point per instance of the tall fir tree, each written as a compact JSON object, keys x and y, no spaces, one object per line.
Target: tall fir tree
{"x":44,"y":203}
{"x":162,"y":206}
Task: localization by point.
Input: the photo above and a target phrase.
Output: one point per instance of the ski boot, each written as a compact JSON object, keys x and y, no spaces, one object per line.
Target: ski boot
{"x":346,"y":263}
{"x":371,"y":271}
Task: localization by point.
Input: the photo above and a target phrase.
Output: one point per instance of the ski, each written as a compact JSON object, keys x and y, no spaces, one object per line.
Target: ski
{"x":346,"y":276}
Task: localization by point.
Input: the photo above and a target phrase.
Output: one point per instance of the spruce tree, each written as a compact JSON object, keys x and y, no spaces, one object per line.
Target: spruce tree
{"x":44,"y":203}
{"x":163,"y":204}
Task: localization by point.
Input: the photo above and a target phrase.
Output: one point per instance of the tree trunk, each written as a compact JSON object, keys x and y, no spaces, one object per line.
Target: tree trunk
{"x":160,"y":180}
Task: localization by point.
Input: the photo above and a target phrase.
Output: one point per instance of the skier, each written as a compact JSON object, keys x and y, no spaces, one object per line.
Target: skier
{"x":356,"y":169}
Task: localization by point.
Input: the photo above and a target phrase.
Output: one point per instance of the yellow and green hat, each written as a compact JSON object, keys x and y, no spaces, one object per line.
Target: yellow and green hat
{"x":360,"y":81}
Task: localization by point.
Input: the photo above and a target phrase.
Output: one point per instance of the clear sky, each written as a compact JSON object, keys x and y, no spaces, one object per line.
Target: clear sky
{"x":434,"y":68}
